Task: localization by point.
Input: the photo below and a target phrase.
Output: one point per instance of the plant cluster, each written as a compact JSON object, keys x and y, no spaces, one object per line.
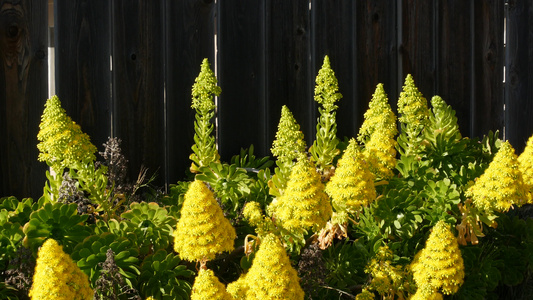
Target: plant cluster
{"x":407,"y":209}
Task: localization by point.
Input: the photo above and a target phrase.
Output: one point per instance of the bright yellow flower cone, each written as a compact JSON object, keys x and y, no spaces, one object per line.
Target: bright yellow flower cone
{"x":501,"y":185}
{"x":304,"y":204}
{"x":352,"y":186}
{"x":271,"y":275}
{"x":57,"y":276}
{"x":208,"y":287}
{"x":378,"y":117}
{"x":202,"y":231}
{"x":439,"y":266}
{"x":526,"y":166}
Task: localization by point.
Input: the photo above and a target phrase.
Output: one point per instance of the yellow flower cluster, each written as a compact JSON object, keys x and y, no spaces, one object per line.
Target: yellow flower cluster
{"x":304,"y":204}
{"x":202,"y":231}
{"x":501,"y":185}
{"x":62,"y":143}
{"x":439,"y":266}
{"x":412,"y":105}
{"x":525,"y":161}
{"x":352,"y":186}
{"x":204,"y":87}
{"x":380,"y":151}
{"x":208,"y":287}
{"x":387,"y":279}
{"x":57,"y":276}
{"x":289,"y":139}
{"x":327,"y":86}
{"x":365,"y":295}
{"x":271,"y":276}
{"x":377,"y":133}
{"x":378,"y":117}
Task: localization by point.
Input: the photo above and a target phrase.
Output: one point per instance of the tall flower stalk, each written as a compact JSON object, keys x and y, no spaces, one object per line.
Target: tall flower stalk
{"x":203,"y":92}
{"x":324,"y":148}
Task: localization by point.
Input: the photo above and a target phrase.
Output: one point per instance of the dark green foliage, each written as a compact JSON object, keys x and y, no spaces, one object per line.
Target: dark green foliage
{"x":58,"y":221}
{"x":164,"y":277}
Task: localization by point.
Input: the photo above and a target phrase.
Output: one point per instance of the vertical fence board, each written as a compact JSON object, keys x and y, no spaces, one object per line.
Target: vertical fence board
{"x":189,"y":39}
{"x":519,"y":79}
{"x":287,"y":64}
{"x":23,"y":91}
{"x":241,"y":71}
{"x":487,"y":104}
{"x":334,"y":35}
{"x":82,"y":65}
{"x":417,"y":45}
{"x":138,"y":84}
{"x":377,"y":51}
{"x":453,"y":59}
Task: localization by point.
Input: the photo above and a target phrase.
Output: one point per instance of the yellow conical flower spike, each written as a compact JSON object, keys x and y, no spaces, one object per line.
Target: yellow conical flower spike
{"x":62,"y":143}
{"x":208,"y":287}
{"x":412,"y":105}
{"x":57,"y":276}
{"x":289,"y":138}
{"x":238,"y":288}
{"x":380,"y":151}
{"x":501,"y":185}
{"x":526,"y":166}
{"x":202,"y":231}
{"x":304,"y":205}
{"x":352,"y":186}
{"x":271,"y":275}
{"x":378,"y":117}
{"x":439,"y":266}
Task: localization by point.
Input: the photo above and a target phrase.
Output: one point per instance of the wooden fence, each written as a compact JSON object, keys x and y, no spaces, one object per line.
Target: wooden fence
{"x":125,"y":68}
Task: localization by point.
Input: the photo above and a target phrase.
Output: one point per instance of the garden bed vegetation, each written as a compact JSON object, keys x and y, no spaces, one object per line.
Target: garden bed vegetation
{"x":407,"y":209}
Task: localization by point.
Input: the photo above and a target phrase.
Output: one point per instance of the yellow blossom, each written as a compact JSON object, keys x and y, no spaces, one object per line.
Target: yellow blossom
{"x":412,"y":106}
{"x":439,"y":266}
{"x":380,"y":151}
{"x":271,"y":275}
{"x":57,"y":276}
{"x":304,"y":204}
{"x":208,"y":287}
{"x":238,"y":288}
{"x":289,"y":139}
{"x":378,"y":117}
{"x":202,"y":231}
{"x":525,"y":161}
{"x":501,"y":185}
{"x":62,"y":143}
{"x":352,"y":186}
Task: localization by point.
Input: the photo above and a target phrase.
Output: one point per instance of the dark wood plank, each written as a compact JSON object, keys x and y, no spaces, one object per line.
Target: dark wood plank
{"x":138,"y":84}
{"x":189,"y":39}
{"x":288,"y":67}
{"x":241,"y":74}
{"x":83,"y":70}
{"x":376,"y":51}
{"x":23,"y":91}
{"x":519,"y":79}
{"x":453,"y":52}
{"x":334,"y":34}
{"x":417,"y":45}
{"x":487,"y":106}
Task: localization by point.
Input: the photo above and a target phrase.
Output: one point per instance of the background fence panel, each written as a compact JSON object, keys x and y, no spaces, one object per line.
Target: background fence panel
{"x":519,"y":76}
{"x":23,"y":92}
{"x":138,"y":84}
{"x":288,"y":69}
{"x":487,"y":101}
{"x":242,"y":76}
{"x":126,"y":68}
{"x":190,"y":27}
{"x":83,"y":76}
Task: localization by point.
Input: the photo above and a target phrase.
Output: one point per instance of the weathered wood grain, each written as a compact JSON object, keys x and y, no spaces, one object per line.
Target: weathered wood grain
{"x":241,"y":74}
{"x":23,"y":91}
{"x":83,"y":65}
{"x":138,"y":84}
{"x":519,"y":76}
{"x":189,"y":39}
